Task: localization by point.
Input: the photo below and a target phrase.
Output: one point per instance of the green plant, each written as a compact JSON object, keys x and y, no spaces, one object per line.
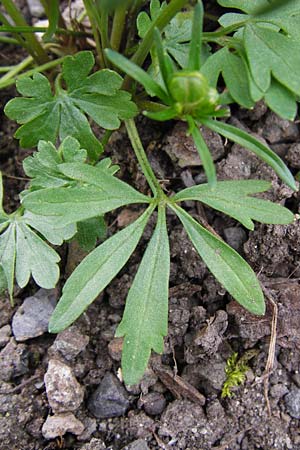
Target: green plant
{"x":71,"y":188}
{"x":236,"y":369}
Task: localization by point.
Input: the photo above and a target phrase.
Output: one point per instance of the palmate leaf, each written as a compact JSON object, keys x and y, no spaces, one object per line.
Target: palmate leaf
{"x":100,"y":193}
{"x":280,"y":100}
{"x":43,"y":166}
{"x":89,"y":231}
{"x":35,"y":257}
{"x":232,"y":198}
{"x":145,"y":319}
{"x":230,"y":269}
{"x":95,"y":272}
{"x":23,"y":253}
{"x":49,"y":228}
{"x":47,"y":116}
{"x":270,"y":52}
{"x":283,"y":13}
{"x":262,"y":151}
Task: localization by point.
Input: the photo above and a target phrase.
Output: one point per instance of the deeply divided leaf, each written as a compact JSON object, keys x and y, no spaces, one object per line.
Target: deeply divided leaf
{"x":23,"y":253}
{"x":232,"y":198}
{"x":230,"y":269}
{"x":262,"y":151}
{"x":145,"y":319}
{"x":47,"y":116}
{"x":95,"y":272}
{"x":99,"y":193}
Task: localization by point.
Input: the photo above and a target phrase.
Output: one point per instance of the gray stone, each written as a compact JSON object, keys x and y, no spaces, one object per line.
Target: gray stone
{"x":109,"y":399}
{"x":235,"y":237}
{"x":153,"y":403}
{"x":13,"y":360}
{"x":69,"y":343}
{"x":61,"y":424}
{"x":63,"y":390}
{"x":292,"y":402}
{"x":94,"y":444}
{"x":139,"y":444}
{"x":90,"y":426}
{"x":32,"y":317}
{"x":35,"y":7}
{"x":5,"y":334}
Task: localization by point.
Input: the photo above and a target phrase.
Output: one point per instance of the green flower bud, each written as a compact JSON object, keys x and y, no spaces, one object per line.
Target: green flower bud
{"x":189,"y":89}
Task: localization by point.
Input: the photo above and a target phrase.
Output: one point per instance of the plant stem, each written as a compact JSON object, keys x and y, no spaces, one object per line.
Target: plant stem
{"x":96,"y":29}
{"x":9,"y":77}
{"x":106,"y":137}
{"x":142,"y":158}
{"x":33,"y":45}
{"x":8,"y":40}
{"x":118,"y":26}
{"x":160,"y":22}
{"x":47,"y":7}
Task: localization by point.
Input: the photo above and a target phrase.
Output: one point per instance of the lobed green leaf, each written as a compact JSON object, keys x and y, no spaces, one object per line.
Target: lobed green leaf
{"x":262,"y":151}
{"x":232,"y":198}
{"x":47,"y":116}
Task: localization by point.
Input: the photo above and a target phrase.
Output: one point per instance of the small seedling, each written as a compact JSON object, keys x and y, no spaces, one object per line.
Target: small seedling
{"x":236,"y":369}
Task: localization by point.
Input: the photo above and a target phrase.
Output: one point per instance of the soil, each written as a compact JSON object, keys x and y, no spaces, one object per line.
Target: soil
{"x":178,"y":404}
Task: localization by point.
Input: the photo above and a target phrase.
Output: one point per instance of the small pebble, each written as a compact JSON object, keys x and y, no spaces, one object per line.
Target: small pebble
{"x":69,"y":343}
{"x":32,"y":317}
{"x":63,"y":390}
{"x":109,"y":399}
{"x":35,"y":7}
{"x":292,"y":402}
{"x":60,"y":424}
{"x":13,"y":360}
{"x":5,"y":334}
{"x":94,"y":444}
{"x":153,"y":403}
{"x":139,"y":444}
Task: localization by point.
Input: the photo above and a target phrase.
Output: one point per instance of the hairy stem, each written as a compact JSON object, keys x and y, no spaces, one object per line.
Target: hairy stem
{"x":142,"y":157}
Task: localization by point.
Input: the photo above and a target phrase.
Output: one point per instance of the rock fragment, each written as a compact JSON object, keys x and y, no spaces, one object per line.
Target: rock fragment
{"x":292,"y":402}
{"x":13,"y":360}
{"x":109,"y":399}
{"x":94,"y":444}
{"x":5,"y":334}
{"x":70,"y":342}
{"x":60,"y":424}
{"x":63,"y":390}
{"x":139,"y":444}
{"x":32,"y":317}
